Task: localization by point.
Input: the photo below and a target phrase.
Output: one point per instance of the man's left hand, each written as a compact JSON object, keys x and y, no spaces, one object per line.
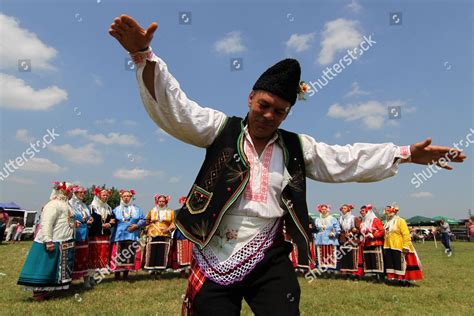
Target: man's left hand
{"x":424,"y":153}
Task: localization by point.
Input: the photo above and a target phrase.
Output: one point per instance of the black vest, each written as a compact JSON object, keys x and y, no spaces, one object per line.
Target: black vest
{"x":223,"y":177}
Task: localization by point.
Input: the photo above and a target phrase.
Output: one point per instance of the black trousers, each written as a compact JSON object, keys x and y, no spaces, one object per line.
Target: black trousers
{"x":270,"y":289}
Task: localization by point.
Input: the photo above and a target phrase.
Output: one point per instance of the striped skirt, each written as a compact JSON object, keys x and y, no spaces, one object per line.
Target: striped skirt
{"x":81,"y":260}
{"x":327,"y":257}
{"x":99,"y":252}
{"x":400,"y":266}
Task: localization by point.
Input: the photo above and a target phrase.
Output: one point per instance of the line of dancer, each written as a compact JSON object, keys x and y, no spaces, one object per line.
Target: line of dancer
{"x":354,"y":246}
{"x":78,"y":241}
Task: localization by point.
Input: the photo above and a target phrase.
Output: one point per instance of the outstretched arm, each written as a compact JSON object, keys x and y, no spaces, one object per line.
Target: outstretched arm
{"x":363,"y":162}
{"x":161,"y":94}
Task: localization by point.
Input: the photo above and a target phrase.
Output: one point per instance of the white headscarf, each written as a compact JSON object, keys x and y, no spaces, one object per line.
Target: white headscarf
{"x":101,"y":208}
{"x":367,"y":222}
{"x":59,"y":194}
{"x":347,"y":221}
{"x":390,"y":225}
{"x":79,"y":206}
{"x":324,"y":220}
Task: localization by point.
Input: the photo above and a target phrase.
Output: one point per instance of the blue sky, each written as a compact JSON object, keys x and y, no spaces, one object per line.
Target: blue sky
{"x":79,"y":85}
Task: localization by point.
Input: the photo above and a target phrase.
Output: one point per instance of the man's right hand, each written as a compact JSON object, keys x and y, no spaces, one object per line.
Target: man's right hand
{"x":130,"y":34}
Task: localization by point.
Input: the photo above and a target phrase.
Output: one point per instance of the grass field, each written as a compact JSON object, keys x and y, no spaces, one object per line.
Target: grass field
{"x":447,"y":289}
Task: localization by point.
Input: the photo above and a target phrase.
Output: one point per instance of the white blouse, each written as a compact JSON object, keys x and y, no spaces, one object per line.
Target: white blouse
{"x":57,"y":222}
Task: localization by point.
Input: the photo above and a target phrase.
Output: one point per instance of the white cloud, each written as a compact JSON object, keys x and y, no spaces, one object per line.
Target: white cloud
{"x":77,"y":132}
{"x":338,"y":35}
{"x":230,"y":44}
{"x":354,"y":6}
{"x":87,"y":154}
{"x":421,"y":195}
{"x":300,"y":42}
{"x":105,"y":121}
{"x":135,"y":174}
{"x":42,"y":165}
{"x":22,"y":136}
{"x":109,"y":139}
{"x":20,"y":180}
{"x":373,"y":114}
{"x":174,"y":179}
{"x":18,"y":95}
{"x":19,"y":43}
{"x":114,"y":138}
{"x":338,"y":135}
{"x":355,"y":90}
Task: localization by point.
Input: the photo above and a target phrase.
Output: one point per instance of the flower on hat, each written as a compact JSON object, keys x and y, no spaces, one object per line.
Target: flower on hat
{"x":62,"y":186}
{"x":167,"y":197}
{"x":302,"y":90}
{"x":98,"y":191}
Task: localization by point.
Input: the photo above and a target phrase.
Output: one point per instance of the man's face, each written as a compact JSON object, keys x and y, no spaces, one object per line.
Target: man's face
{"x":363,"y":212}
{"x":266,"y":112}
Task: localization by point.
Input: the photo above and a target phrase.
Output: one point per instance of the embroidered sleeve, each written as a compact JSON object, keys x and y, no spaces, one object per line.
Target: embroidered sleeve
{"x":360,"y":162}
{"x":177,"y":115}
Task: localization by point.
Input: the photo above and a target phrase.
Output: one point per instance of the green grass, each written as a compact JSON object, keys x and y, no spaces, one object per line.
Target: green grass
{"x":447,"y":289}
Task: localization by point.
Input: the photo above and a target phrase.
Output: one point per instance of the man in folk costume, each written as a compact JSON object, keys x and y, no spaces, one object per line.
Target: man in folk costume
{"x":126,"y":253}
{"x":100,"y":231}
{"x":326,"y":239}
{"x":349,"y":241}
{"x":372,"y":233}
{"x":400,"y":257}
{"x":83,"y":220}
{"x":181,"y":249}
{"x":159,"y":225}
{"x":252,"y":181}
{"x":49,"y":264}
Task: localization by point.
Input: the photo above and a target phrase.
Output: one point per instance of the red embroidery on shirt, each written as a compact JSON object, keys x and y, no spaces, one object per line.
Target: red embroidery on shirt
{"x":250,"y":194}
{"x":404,"y":151}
